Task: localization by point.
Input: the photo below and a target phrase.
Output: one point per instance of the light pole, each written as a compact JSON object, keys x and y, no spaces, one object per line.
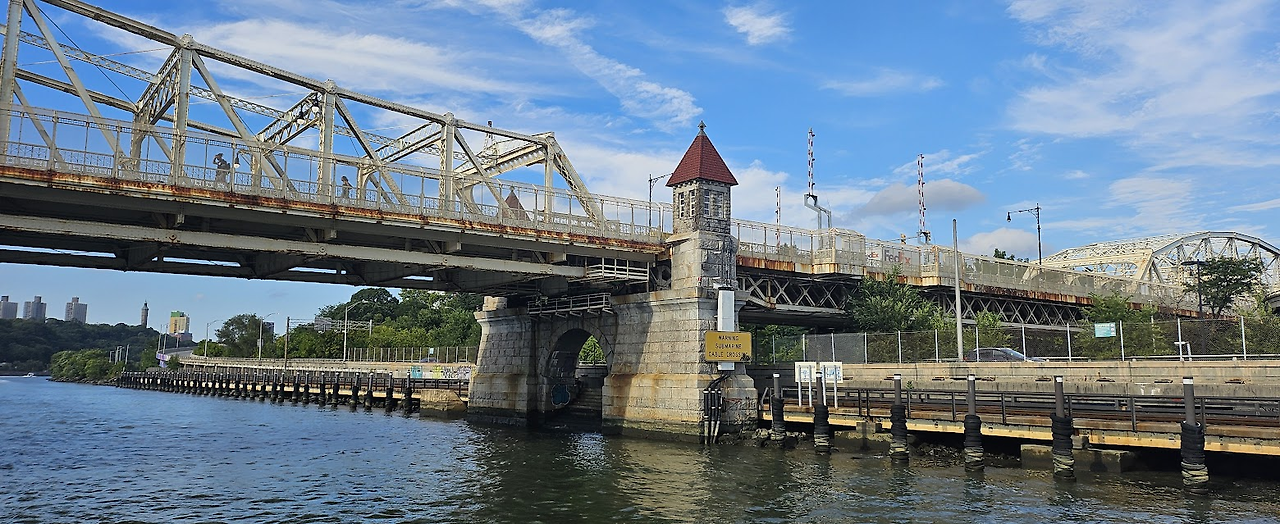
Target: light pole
{"x":1008,"y":217}
{"x":653,"y":180}
{"x":206,"y":337}
{"x":346,"y":327}
{"x":261,"y":321}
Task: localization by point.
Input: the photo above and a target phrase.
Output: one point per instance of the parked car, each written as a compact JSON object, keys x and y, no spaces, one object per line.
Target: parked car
{"x":999,"y":355}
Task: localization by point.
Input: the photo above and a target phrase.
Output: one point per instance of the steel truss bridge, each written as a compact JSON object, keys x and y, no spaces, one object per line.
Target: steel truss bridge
{"x":311,"y":193}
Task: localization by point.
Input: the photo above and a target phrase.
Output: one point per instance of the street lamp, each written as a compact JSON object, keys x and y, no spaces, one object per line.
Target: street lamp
{"x":653,"y":180}
{"x":206,"y":336}
{"x":347,"y":327}
{"x":260,"y":322}
{"x":1008,"y":217}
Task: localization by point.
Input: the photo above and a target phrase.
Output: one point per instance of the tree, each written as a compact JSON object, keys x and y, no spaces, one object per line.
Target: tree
{"x":774,"y":343}
{"x":884,"y":306}
{"x":1223,"y":280}
{"x":591,"y":352}
{"x":28,"y":345}
{"x":238,"y":336}
{"x":1141,"y":335}
{"x":1005,"y":255}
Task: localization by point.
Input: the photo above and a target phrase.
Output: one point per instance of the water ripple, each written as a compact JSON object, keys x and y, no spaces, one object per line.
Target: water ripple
{"x":75,"y":453}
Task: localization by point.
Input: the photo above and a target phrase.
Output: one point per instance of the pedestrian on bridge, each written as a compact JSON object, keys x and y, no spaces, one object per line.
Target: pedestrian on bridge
{"x":223,"y":168}
{"x":346,"y":187}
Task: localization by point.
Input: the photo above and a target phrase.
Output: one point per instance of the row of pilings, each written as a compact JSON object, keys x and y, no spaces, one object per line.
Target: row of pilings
{"x":1195,"y":475}
{"x":325,"y":388}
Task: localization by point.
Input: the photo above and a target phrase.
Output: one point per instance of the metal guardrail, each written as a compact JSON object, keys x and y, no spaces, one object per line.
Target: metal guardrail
{"x":45,"y":139}
{"x":49,"y":140}
{"x":1134,"y":409}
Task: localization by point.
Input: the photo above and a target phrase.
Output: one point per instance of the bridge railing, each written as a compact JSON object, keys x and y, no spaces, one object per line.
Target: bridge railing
{"x":1044,"y":282}
{"x":70,"y":143}
{"x":841,"y":251}
{"x":1244,"y":338}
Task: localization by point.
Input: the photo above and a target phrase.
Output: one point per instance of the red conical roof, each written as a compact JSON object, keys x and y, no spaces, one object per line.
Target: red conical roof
{"x":702,"y":161}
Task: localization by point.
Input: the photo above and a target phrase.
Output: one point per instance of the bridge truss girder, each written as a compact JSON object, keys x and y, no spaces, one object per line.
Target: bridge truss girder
{"x":1012,"y":310}
{"x":1161,"y":259}
{"x":326,"y":109}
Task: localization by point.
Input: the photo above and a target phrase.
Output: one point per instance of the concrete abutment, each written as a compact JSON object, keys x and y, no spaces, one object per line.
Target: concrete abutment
{"x":653,"y":345}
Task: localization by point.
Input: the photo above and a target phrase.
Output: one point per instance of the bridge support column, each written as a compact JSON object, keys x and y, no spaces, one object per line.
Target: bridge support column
{"x":653,"y":345}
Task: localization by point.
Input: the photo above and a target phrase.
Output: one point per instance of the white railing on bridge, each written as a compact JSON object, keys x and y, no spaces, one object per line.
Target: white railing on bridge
{"x":69,"y":143}
{"x":841,"y":251}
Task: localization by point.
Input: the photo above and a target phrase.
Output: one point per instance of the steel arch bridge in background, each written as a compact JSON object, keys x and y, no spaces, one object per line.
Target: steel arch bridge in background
{"x":1160,"y":258}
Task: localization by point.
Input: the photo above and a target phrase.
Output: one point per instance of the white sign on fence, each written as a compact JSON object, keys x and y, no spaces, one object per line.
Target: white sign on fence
{"x":1104,"y":329}
{"x":832,"y":372}
{"x":806,"y":372}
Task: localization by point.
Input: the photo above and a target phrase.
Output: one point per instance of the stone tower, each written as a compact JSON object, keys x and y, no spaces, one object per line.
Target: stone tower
{"x":704,"y":253}
{"x":653,"y":341}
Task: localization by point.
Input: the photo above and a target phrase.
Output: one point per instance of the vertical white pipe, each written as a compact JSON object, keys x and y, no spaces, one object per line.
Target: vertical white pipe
{"x":1068,"y":328}
{"x":1244,"y":347}
{"x":724,"y":311}
{"x":955,"y":255}
{"x":1121,"y":339}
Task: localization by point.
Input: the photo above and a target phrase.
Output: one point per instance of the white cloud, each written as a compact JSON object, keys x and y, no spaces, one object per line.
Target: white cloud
{"x":760,"y":26}
{"x":1026,"y":156}
{"x":358,"y":61}
{"x":886,"y":82}
{"x":1257,"y":206}
{"x":1180,"y":82}
{"x":1158,"y":205}
{"x":667,"y":107}
{"x":941,"y":195}
{"x":1017,"y":242}
{"x":1075,"y":174}
{"x":943,"y":162}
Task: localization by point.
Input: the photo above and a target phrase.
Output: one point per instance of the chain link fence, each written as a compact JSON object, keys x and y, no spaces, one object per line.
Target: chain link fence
{"x":448,"y":355}
{"x":1242,"y":338}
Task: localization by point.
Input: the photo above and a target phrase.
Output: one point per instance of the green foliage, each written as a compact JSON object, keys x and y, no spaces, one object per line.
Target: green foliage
{"x":1005,"y":255}
{"x":1262,"y":327}
{"x":27,"y":345}
{"x":416,"y":319}
{"x":885,"y":306}
{"x":1221,"y":281}
{"x":591,"y":352}
{"x":238,"y":337}
{"x":1141,"y":335}
{"x":774,"y":343}
{"x":74,"y":366}
{"x":989,"y":332}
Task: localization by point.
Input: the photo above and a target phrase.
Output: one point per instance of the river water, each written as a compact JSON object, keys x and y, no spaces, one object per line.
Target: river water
{"x":77,"y":453}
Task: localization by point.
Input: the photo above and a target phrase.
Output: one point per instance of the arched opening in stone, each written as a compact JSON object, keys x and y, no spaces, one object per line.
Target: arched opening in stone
{"x":576,"y":372}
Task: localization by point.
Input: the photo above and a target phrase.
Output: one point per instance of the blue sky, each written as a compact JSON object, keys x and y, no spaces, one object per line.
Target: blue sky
{"x":1120,"y":119}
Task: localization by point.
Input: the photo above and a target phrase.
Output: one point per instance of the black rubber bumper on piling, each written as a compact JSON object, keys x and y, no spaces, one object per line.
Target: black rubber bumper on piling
{"x":821,"y":428}
{"x":974,"y":455}
{"x":898,"y":430}
{"x":1064,"y":462}
{"x":1195,"y":475}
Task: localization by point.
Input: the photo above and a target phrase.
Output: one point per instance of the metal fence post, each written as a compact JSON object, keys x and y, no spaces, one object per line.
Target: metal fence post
{"x":899,"y":347}
{"x":1244,"y":346}
{"x":1121,"y":322}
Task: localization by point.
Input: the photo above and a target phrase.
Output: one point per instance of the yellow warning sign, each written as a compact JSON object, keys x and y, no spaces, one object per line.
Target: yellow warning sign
{"x":728,"y":346}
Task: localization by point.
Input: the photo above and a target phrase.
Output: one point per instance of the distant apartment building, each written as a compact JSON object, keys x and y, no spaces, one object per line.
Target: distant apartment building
{"x":34,"y":309}
{"x":76,"y":311}
{"x":179,"y":323}
{"x":144,"y":315}
{"x":8,"y":309}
